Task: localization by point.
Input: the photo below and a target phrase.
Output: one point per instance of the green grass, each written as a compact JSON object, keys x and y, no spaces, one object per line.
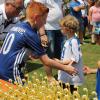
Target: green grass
{"x":91,"y":54}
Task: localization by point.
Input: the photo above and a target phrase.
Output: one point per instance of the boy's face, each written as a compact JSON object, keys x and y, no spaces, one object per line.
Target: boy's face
{"x":64,"y":30}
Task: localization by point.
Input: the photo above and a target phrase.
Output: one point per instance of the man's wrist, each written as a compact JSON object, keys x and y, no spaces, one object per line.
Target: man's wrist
{"x":42,"y":35}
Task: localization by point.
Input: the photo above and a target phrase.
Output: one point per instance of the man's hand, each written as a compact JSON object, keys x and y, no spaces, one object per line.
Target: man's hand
{"x":44,"y":40}
{"x":70,"y":69}
{"x":43,"y":36}
{"x":82,"y":7}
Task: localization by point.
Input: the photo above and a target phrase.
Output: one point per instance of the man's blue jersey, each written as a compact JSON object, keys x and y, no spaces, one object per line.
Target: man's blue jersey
{"x":20,"y":37}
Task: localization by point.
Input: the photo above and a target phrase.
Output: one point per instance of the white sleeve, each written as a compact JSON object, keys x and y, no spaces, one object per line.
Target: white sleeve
{"x":75,"y":50}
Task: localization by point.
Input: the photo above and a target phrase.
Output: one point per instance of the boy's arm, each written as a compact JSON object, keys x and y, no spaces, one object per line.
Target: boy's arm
{"x":76,"y":51}
{"x":65,"y":62}
{"x":88,"y":70}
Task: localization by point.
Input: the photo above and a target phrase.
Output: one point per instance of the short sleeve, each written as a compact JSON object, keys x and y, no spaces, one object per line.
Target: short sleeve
{"x":33,"y":42}
{"x":75,"y":50}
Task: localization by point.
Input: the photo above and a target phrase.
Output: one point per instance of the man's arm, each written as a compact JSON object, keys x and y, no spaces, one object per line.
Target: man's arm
{"x":43,"y":36}
{"x":51,"y":63}
{"x":78,"y":8}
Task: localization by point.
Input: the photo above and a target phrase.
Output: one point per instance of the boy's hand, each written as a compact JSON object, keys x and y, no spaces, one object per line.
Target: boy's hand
{"x":88,"y":70}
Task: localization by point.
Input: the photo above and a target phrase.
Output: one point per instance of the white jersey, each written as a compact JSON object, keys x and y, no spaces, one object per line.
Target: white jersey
{"x":54,"y":15}
{"x":72,"y":51}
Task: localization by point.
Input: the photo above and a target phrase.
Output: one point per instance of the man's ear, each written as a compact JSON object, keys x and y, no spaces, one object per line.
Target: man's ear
{"x":35,"y":16}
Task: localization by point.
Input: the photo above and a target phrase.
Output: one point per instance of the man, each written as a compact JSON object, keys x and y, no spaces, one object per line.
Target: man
{"x":43,"y":36}
{"x":8,"y":11}
{"x":52,"y":28}
{"x":24,"y":36}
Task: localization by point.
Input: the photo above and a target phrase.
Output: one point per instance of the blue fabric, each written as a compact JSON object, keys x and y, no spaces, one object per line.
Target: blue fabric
{"x":77,"y":14}
{"x":73,"y":4}
{"x":97,"y":28}
{"x":97,"y":31}
{"x":85,"y":19}
{"x":98,"y":84}
{"x":20,"y":37}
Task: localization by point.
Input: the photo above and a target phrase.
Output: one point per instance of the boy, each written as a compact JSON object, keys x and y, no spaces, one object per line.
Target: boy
{"x":24,"y":36}
{"x":71,"y":53}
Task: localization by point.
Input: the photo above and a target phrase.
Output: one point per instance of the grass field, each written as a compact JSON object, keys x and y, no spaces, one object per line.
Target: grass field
{"x":91,"y":54}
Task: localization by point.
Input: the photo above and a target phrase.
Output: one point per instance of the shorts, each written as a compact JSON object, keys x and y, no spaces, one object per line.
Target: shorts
{"x":96,"y":28}
{"x":81,"y":24}
{"x":95,"y":24}
{"x":85,"y":21}
{"x":97,"y":31}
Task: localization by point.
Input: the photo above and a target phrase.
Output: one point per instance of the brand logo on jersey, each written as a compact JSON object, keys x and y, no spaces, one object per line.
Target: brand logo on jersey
{"x":18,"y":29}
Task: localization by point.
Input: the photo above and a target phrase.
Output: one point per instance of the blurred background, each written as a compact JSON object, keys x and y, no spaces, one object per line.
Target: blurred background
{"x":1,"y":1}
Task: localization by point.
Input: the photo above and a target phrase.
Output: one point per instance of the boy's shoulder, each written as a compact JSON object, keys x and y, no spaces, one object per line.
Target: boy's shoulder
{"x":74,"y":40}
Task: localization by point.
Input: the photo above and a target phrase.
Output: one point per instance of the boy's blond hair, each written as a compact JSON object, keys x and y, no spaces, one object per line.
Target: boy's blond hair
{"x":70,"y":22}
{"x":36,"y":8}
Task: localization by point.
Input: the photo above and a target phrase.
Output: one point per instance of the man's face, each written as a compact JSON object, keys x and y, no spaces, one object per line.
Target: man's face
{"x":41,"y":20}
{"x":15,"y":8}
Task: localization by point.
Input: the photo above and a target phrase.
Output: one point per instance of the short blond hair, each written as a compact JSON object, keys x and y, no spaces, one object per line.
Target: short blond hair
{"x":71,"y":22}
